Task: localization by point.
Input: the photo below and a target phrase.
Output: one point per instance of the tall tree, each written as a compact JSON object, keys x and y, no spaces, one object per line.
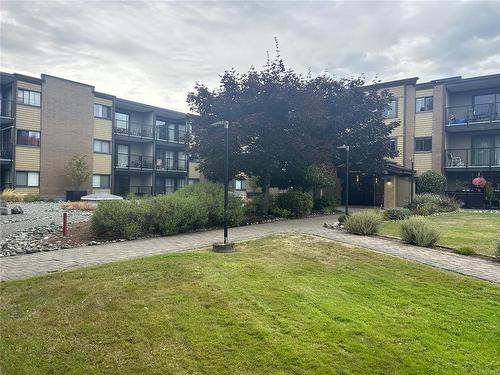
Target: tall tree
{"x":281,"y":123}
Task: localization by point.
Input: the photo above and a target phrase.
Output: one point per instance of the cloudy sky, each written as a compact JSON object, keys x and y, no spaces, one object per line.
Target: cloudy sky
{"x":154,"y":52}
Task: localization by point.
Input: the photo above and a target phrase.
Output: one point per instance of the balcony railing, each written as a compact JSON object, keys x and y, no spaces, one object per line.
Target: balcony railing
{"x":133,"y":129}
{"x":6,"y":108}
{"x":141,"y":190}
{"x":6,"y":151}
{"x":173,"y":165}
{"x":133,"y":161}
{"x":162,"y":134}
{"x":473,"y":157}
{"x":469,"y":114}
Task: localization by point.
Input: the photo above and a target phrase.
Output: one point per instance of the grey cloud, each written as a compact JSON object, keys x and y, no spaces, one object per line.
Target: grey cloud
{"x":155,"y":51}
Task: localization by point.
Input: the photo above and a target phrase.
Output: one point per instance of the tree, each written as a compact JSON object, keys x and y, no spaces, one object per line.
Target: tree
{"x":320,"y":176}
{"x":78,"y":170}
{"x":281,"y":123}
{"x":431,"y":182}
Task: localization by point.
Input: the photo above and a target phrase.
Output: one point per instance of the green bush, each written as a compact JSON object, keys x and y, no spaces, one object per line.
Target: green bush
{"x":282,"y":212}
{"x":325,"y":204}
{"x":299,"y":203}
{"x":193,"y":207}
{"x":465,"y":250}
{"x":363,"y":222}
{"x":342,"y":218}
{"x":428,"y":204}
{"x":418,"y":231}
{"x":431,"y":182}
{"x":397,"y":213}
{"x":121,"y":219}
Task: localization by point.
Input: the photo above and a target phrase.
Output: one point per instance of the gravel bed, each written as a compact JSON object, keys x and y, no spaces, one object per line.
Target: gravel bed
{"x":38,"y":214}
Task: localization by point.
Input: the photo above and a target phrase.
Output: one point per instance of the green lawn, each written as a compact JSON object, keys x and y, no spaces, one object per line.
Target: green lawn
{"x":477,"y":230}
{"x":279,"y":305}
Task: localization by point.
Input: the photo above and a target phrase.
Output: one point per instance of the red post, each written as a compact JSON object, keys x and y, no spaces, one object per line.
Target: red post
{"x":65,"y":224}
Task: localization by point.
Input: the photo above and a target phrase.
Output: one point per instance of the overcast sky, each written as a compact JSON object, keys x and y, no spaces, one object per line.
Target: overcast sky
{"x":155,"y":52}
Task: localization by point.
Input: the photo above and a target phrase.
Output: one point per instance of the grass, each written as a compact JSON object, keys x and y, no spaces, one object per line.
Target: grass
{"x":475,"y":230}
{"x":279,"y":305}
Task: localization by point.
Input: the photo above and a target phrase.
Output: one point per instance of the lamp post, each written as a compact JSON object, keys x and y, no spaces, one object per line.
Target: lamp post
{"x":346,"y":148}
{"x":226,"y":246}
{"x":412,"y":180}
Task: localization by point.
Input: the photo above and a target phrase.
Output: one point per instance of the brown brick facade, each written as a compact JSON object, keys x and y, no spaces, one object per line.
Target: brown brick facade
{"x":67,"y":128}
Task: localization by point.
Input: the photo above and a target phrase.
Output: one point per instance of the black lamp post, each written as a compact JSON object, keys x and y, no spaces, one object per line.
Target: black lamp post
{"x":226,"y":246}
{"x":346,"y":148}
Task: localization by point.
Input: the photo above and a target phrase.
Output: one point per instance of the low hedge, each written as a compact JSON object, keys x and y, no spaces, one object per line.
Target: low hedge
{"x":193,"y":207}
{"x":428,"y":204}
{"x":294,"y":203}
{"x":417,"y":231}
{"x":397,"y":213}
{"x":363,"y":222}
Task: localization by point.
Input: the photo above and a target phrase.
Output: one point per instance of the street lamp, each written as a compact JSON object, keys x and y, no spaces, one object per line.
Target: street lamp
{"x":346,"y":148}
{"x":225,"y":247}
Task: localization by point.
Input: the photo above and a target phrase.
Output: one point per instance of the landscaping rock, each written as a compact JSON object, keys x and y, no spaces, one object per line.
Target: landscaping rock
{"x":16,"y":210}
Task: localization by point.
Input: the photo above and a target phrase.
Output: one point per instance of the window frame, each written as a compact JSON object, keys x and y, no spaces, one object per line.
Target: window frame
{"x":108,"y":108}
{"x":424,"y":98}
{"x":28,"y":179}
{"x":101,"y":142}
{"x":386,"y":115}
{"x":122,"y":121}
{"x":108,"y":185}
{"x":29,"y":92}
{"x":395,"y":142}
{"x":29,"y":131}
{"x":423,"y":140}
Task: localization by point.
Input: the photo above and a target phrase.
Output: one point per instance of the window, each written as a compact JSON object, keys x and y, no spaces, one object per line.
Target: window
{"x":181,"y":183}
{"x":181,"y":161}
{"x":27,"y":179}
{"x":100,"y":181}
{"x":424,"y":104}
{"x":423,"y":144}
{"x":122,"y":156}
{"x":102,"y":147}
{"x":392,"y":110}
{"x":394,"y":144}
{"x":122,"y":120}
{"x":102,"y":111}
{"x":182,"y":132}
{"x":28,"y":138}
{"x":169,"y":185}
{"x":28,"y":97}
{"x":239,"y":184}
{"x":161,"y":129}
{"x":171,"y":132}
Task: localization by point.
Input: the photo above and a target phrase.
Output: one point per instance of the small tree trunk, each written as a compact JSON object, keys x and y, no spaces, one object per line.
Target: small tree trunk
{"x":266,"y":196}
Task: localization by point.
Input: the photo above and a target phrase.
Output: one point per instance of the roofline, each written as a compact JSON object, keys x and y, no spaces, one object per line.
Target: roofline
{"x":104,"y":95}
{"x":398,"y":82}
{"x":67,"y":80}
{"x":26,"y":78}
{"x":152,"y":107}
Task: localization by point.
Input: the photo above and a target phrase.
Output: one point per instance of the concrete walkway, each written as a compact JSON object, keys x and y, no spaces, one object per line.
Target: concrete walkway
{"x":24,"y":266}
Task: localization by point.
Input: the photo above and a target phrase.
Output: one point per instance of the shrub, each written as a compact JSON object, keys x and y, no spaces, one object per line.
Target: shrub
{"x":418,"y":231}
{"x":363,"y":222}
{"x":121,"y":219}
{"x":428,"y":204}
{"x":465,"y":250}
{"x":431,"y":182}
{"x":281,"y":212}
{"x":325,"y":204}
{"x":11,"y":195}
{"x":342,"y":218}
{"x":397,"y":213}
{"x":299,"y":203}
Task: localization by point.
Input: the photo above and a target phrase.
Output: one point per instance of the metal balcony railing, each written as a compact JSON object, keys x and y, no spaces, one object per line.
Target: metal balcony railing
{"x":473,"y":157}
{"x":141,"y":190}
{"x":133,"y":129}
{"x":6,"y":108}
{"x":6,"y":151}
{"x":469,"y":114}
{"x":162,"y":134}
{"x":171,"y":164}
{"x":133,"y":161}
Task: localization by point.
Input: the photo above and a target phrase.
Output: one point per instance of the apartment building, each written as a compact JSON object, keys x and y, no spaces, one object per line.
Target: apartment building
{"x":131,"y":147}
{"x":450,"y":125}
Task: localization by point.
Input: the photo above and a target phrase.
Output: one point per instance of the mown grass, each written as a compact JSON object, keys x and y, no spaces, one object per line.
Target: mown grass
{"x":283,"y":305}
{"x":477,"y":230}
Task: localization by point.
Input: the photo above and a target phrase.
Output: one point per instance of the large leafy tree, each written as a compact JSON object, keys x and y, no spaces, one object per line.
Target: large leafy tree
{"x":281,"y":123}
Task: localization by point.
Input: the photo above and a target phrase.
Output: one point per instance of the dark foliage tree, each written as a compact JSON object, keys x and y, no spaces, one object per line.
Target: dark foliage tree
{"x":281,"y":123}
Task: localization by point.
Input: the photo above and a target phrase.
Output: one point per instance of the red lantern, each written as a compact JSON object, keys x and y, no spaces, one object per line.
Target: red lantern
{"x":479,"y":182}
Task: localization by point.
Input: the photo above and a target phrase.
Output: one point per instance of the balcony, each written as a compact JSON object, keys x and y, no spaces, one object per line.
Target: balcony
{"x":473,"y":158}
{"x":473,"y":117}
{"x":6,"y":110}
{"x":133,"y":129}
{"x":171,"y":165}
{"x":6,"y":151}
{"x":133,"y":161}
{"x":163,"y":134}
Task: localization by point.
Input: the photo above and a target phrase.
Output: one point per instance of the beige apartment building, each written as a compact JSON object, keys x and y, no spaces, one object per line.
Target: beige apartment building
{"x":130,"y":147}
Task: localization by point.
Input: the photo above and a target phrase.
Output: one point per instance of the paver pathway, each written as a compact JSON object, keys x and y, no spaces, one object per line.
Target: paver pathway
{"x":24,"y":266}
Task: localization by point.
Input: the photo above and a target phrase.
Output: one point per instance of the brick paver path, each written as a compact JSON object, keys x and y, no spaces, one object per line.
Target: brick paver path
{"x":24,"y":266}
